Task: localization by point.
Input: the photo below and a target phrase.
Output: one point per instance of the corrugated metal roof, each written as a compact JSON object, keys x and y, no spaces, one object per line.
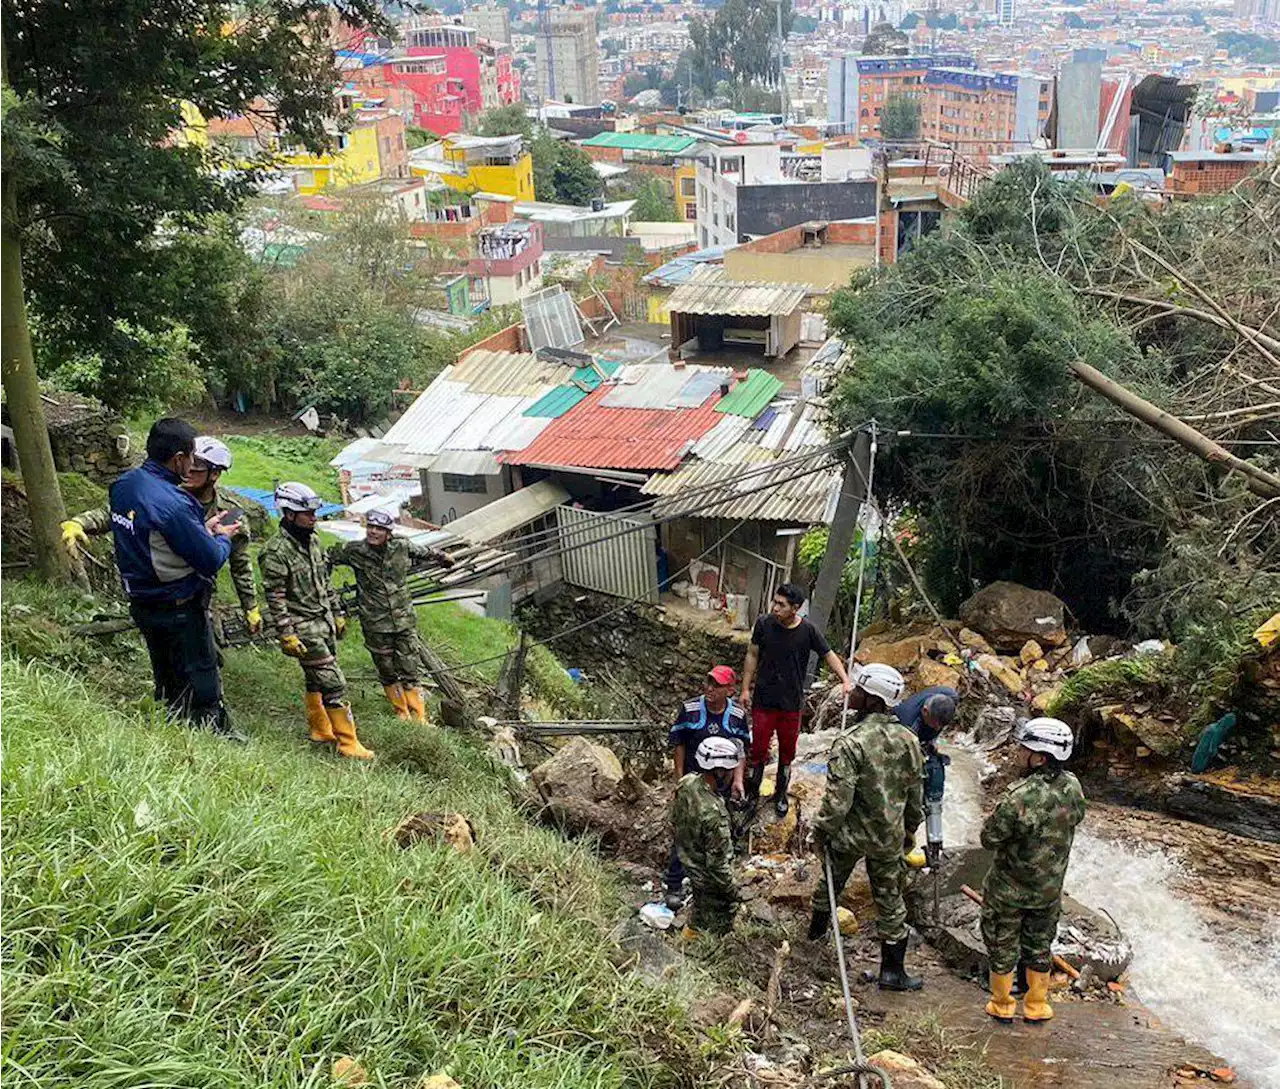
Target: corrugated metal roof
{"x":726,"y":434}
{"x":467,"y":463}
{"x":508,"y":372}
{"x":680,"y":270}
{"x":353,"y":453}
{"x":595,"y":436}
{"x":773,"y":497}
{"x":662,"y":385}
{"x":475,"y":430}
{"x":711,"y":294}
{"x":751,"y":395}
{"x":562,"y":398}
{"x":516,"y":432}
{"x":509,"y":513}
{"x":641,"y":141}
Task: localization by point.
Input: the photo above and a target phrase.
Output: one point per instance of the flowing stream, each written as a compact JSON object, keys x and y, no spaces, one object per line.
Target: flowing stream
{"x":1211,"y":988}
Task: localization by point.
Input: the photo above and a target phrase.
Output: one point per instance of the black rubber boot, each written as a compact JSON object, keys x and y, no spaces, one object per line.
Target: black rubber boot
{"x":1020,"y":980}
{"x":755,"y":776}
{"x":781,"y":803}
{"x":819,"y":924}
{"x":893,"y":973}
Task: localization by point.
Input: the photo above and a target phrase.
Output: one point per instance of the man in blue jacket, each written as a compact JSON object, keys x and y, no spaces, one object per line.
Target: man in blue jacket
{"x":168,"y":558}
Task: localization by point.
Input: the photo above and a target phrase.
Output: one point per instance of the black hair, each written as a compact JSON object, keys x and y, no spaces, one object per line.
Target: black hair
{"x":791,"y":592}
{"x":168,"y":436}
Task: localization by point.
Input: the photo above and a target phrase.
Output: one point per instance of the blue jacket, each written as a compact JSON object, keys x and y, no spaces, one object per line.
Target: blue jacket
{"x":163,"y":550}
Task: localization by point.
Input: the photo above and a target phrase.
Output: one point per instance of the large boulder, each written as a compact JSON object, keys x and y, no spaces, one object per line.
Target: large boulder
{"x":1009,"y":614}
{"x":580,"y":771}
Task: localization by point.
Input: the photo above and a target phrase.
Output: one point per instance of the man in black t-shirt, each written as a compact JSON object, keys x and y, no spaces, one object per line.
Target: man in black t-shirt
{"x":773,"y":686}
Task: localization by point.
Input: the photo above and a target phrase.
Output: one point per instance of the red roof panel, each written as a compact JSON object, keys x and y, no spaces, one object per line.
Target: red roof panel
{"x":595,"y":436}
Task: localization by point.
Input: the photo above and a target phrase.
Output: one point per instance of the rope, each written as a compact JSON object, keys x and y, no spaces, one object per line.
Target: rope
{"x":860,"y":1066}
{"x":867,"y":500}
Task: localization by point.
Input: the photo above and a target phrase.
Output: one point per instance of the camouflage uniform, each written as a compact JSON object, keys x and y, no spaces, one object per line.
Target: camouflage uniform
{"x":387,"y":617}
{"x":302,"y":602}
{"x":703,"y":839}
{"x":1030,"y":831}
{"x":98,"y":522}
{"x":873,"y":802}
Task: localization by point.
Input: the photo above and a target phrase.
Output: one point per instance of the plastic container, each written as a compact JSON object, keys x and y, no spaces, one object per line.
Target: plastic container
{"x":702,"y":598}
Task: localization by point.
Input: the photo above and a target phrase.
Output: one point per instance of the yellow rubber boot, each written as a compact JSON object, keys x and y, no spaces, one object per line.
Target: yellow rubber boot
{"x":1035,"y":1004}
{"x":395,"y":694}
{"x":318,"y":728}
{"x":417,"y":705}
{"x":344,"y":728}
{"x":1002,"y":1005}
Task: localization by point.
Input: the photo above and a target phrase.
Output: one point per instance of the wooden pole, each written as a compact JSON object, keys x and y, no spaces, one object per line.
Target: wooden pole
{"x":1259,"y":481}
{"x":1058,"y":962}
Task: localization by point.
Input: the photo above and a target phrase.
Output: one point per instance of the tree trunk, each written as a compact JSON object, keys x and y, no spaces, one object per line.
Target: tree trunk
{"x":22,"y":394}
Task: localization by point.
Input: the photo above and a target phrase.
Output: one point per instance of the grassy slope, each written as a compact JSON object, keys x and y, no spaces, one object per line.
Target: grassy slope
{"x":180,"y":912}
{"x":259,"y":461}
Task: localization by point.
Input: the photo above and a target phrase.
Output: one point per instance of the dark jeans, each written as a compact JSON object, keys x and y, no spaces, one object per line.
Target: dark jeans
{"x":675,"y":871}
{"x":184,"y":659}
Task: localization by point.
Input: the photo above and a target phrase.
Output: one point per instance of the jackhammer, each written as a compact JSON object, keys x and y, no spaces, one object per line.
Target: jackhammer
{"x":935,"y":782}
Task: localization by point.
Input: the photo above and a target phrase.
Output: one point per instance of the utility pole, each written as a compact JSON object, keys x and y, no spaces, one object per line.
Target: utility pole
{"x":782,"y":75}
{"x":853,"y":493}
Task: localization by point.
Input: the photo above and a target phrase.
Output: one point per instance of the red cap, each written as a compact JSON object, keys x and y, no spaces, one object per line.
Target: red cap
{"x":723,"y":675}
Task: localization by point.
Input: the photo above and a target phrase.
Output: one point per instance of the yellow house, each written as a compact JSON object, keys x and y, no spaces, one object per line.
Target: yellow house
{"x":354,"y":161}
{"x":686,"y":185}
{"x":478,"y":164}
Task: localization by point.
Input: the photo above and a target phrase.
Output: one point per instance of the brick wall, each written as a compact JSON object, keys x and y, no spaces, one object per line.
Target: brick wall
{"x":1202,"y":176}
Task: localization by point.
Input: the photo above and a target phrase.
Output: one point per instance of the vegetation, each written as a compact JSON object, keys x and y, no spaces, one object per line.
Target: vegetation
{"x":900,"y":119}
{"x":1015,"y":470}
{"x":1255,"y":48}
{"x":738,"y":44}
{"x":885,"y":40}
{"x":191,"y":912}
{"x":262,"y":461}
{"x":106,"y":200}
{"x":655,"y":201}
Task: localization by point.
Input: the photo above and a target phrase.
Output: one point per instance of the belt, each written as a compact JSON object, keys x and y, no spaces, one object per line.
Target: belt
{"x":169,"y":606}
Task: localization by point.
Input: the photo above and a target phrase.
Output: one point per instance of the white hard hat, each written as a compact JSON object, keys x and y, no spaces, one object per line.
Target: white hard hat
{"x":379,"y":519}
{"x":880,"y":680}
{"x":293,"y":496}
{"x":213,"y":452}
{"x":718,"y":752}
{"x":1051,"y":736}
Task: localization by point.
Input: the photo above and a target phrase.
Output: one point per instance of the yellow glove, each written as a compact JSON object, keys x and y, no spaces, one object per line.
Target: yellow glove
{"x":73,"y":536}
{"x":292,"y":646}
{"x":915,"y":858}
{"x":253,"y":618}
{"x":340,"y":626}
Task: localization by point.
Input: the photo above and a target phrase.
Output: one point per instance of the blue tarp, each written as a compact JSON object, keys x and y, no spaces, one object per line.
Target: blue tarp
{"x":268,"y":499}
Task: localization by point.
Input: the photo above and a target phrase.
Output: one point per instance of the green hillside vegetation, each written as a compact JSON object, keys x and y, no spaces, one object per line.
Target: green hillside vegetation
{"x":183,"y":912}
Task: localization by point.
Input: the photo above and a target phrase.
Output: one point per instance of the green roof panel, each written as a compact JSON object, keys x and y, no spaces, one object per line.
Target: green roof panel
{"x":641,"y":141}
{"x":558,"y":401}
{"x":750,"y":396}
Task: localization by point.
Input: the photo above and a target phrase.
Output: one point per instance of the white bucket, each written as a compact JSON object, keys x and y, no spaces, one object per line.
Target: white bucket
{"x":702,"y":598}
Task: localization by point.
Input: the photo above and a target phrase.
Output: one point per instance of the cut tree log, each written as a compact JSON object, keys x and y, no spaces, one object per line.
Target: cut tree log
{"x":1258,"y":480}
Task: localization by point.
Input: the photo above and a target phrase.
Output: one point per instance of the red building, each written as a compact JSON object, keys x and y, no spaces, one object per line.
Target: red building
{"x":454,"y":74}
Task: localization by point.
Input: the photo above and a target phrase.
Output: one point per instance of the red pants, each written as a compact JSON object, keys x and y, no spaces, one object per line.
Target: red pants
{"x":765,"y":722}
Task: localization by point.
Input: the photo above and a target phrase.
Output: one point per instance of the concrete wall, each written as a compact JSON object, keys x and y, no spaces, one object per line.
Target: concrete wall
{"x":443,"y":507}
{"x":1079,"y":100}
{"x":764,"y":209}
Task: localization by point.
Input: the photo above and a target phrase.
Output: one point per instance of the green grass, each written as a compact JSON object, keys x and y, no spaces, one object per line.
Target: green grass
{"x":1118,"y":678}
{"x":181,"y":912}
{"x":934,"y":1046}
{"x":260,"y":461}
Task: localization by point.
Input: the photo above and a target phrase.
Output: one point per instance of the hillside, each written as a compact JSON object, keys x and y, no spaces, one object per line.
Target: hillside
{"x":184,"y":912}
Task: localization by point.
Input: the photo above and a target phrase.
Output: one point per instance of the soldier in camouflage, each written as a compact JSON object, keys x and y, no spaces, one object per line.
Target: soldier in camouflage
{"x":873,"y":804}
{"x":1030,"y":832}
{"x":388,"y":621}
{"x":303,"y":604}
{"x":210,"y":460}
{"x":703,"y":836}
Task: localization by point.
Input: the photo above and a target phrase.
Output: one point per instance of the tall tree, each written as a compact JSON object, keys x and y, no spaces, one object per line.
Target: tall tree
{"x":89,"y":217}
{"x":739,"y":42}
{"x":900,"y":119}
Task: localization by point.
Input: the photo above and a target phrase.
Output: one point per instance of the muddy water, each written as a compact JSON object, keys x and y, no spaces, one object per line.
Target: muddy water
{"x":1210,"y":987}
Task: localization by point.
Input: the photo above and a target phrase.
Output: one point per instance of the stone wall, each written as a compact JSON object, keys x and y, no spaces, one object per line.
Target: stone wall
{"x":666,"y":659}
{"x":87,"y":437}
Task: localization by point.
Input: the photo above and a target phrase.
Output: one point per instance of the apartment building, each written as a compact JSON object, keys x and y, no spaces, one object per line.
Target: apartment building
{"x":568,"y":57}
{"x":859,"y":87}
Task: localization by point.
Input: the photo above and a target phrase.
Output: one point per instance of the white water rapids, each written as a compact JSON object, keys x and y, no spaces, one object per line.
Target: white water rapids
{"x":1209,"y":987}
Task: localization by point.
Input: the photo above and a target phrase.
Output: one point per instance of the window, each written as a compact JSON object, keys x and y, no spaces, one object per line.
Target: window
{"x":463,"y":483}
{"x":690,"y":211}
{"x":686,"y":187}
{"x":729,"y":218}
{"x":731,"y":165}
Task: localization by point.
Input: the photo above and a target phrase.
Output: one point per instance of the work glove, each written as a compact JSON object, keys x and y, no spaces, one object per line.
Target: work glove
{"x":253,"y":620}
{"x":73,"y":536}
{"x":916,"y":859}
{"x":292,"y":646}
{"x":340,"y":626}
